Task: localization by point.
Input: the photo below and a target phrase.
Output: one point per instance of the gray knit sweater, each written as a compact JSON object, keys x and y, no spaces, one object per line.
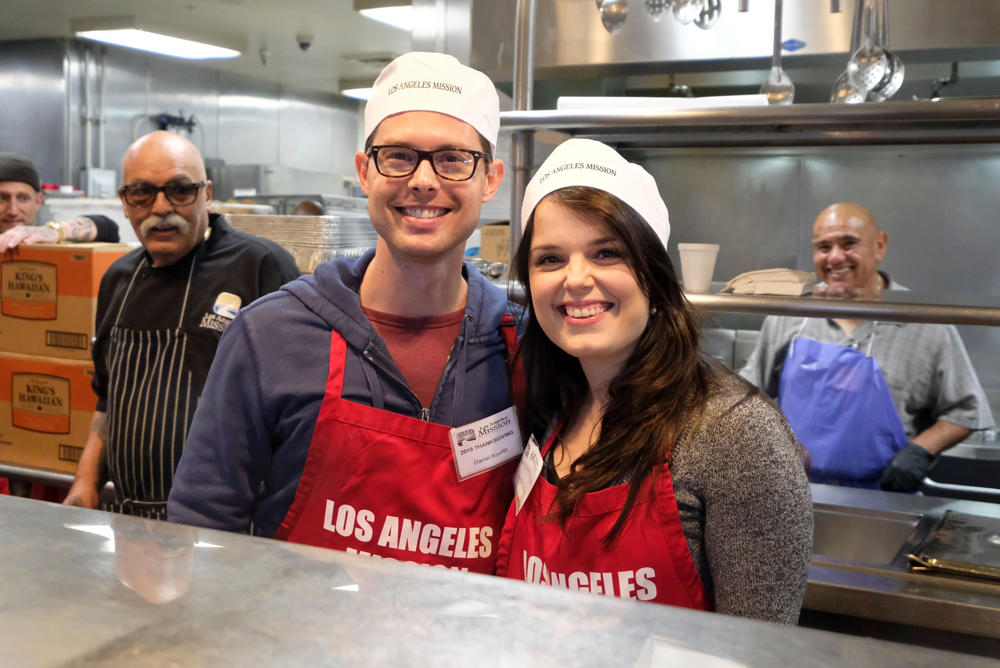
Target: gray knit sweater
{"x":744,"y":503}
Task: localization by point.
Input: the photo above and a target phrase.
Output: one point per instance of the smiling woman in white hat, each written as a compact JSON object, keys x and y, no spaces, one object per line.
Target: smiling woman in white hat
{"x":662,"y":476}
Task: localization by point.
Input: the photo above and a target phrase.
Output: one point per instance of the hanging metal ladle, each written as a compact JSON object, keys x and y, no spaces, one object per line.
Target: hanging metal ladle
{"x":709,"y":15}
{"x":869,"y":63}
{"x":895,"y":71}
{"x":613,"y":14}
{"x":845,"y":90}
{"x":657,"y":8}
{"x":778,"y":87}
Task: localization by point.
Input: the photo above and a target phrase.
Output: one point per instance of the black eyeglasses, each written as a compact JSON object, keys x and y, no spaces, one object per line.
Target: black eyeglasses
{"x":144,"y":194}
{"x":451,"y":164}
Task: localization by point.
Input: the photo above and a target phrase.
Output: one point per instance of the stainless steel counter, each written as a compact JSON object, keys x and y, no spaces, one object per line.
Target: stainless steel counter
{"x":859,"y":566}
{"x":83,"y":588}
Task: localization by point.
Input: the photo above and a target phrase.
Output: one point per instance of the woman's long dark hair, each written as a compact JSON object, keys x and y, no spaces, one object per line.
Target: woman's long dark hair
{"x":658,"y":392}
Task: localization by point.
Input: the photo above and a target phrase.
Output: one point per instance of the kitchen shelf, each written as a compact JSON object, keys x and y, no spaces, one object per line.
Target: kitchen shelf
{"x":917,"y":122}
{"x":895,"y":306}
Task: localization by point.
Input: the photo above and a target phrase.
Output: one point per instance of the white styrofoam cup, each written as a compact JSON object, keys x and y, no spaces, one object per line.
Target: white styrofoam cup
{"x":697,"y":266}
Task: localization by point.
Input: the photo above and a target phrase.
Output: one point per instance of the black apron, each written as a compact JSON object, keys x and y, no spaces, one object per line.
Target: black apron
{"x":151,"y":400}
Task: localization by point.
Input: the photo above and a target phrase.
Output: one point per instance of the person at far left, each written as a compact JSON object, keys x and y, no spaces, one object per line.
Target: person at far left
{"x":20,"y":199}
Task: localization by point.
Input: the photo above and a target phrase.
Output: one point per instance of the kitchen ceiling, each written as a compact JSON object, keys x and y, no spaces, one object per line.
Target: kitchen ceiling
{"x":336,"y":30}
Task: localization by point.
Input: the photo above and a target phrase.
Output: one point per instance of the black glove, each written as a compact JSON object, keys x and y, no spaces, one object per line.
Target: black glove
{"x":907,"y":469}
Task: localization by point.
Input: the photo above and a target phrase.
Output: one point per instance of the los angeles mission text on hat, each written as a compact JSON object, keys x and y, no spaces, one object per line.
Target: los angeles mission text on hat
{"x":436,"y":85}
{"x":578,"y":165}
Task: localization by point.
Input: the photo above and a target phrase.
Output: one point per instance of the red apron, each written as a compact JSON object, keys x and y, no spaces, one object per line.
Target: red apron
{"x":383,"y":484}
{"x":650,"y":561}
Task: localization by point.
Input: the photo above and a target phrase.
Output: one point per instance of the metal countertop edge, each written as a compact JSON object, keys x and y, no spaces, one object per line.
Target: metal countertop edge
{"x":830,"y":589}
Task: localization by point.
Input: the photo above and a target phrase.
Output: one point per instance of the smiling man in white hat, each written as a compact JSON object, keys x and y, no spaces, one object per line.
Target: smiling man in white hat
{"x":355,"y":409}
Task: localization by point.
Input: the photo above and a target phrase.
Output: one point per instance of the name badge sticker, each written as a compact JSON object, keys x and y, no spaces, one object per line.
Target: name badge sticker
{"x":486,"y":444}
{"x":527,"y":472}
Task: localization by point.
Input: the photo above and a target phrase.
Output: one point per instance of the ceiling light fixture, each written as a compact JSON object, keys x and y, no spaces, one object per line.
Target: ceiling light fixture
{"x":396,"y":13}
{"x":130,"y":33}
{"x":358,"y":88}
{"x":357,"y":93}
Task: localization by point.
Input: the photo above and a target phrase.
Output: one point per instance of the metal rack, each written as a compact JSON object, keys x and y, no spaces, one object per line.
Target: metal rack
{"x":895,"y":306}
{"x":918,"y":122}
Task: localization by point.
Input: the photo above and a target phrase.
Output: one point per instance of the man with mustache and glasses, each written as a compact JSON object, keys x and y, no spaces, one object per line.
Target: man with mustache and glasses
{"x":161,"y":311}
{"x":20,"y":199}
{"x":347,"y":410}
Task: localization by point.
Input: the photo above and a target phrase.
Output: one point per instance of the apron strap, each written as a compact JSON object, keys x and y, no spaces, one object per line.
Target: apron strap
{"x":187,"y":290}
{"x":515,"y":369}
{"x":798,"y":333}
{"x":338,"y":366}
{"x":871,"y":339}
{"x":128,"y":290}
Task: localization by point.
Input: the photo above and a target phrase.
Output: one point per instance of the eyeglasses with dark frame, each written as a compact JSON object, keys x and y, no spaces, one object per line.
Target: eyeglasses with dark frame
{"x":144,"y":194}
{"x":451,"y":164}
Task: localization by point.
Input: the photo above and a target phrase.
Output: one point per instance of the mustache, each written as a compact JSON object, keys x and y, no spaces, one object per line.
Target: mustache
{"x":169,"y":220}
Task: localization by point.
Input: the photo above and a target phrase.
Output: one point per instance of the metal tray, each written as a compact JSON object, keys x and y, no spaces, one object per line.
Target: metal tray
{"x":963,"y":544}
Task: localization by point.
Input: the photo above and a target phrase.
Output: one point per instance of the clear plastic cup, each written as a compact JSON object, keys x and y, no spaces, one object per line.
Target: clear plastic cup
{"x":697,"y":266}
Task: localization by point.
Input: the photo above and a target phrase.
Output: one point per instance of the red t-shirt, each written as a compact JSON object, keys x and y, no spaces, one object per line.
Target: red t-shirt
{"x":419,"y":346}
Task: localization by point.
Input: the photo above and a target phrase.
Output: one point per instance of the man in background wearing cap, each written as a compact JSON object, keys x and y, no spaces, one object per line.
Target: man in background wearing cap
{"x":21,"y":197}
{"x":328,"y":415}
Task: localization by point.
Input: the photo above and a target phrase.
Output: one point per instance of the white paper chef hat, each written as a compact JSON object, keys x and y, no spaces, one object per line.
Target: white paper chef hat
{"x":435,"y":82}
{"x":589,"y":163}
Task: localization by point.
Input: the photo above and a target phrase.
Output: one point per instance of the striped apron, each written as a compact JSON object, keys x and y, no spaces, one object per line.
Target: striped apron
{"x":151,"y":402}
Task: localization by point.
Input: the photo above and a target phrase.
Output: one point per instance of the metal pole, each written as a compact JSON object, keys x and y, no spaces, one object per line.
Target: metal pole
{"x":88,"y":137}
{"x":836,"y":6}
{"x":744,"y":6}
{"x":522,"y":142}
{"x":67,"y":176}
{"x":776,"y":60}
{"x":102,"y":116}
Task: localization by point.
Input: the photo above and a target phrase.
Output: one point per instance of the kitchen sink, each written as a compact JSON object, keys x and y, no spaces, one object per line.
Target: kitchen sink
{"x":861,"y":535}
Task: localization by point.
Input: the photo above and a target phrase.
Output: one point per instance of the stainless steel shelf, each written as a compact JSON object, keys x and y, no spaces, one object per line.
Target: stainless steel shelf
{"x":885,"y":311}
{"x":896,"y":306}
{"x":918,"y":122}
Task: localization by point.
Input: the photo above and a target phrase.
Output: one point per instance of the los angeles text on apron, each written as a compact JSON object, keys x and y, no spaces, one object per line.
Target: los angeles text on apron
{"x":384,"y":484}
{"x":151,"y":402}
{"x":650,"y":560}
{"x":839,"y":406}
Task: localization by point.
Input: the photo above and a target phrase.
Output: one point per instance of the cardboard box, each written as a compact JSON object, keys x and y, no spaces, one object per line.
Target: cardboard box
{"x":495,"y":244}
{"x":46,"y":408}
{"x":48,"y":297}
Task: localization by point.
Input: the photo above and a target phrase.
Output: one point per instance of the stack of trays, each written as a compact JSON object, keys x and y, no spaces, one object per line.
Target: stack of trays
{"x":312,"y":239}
